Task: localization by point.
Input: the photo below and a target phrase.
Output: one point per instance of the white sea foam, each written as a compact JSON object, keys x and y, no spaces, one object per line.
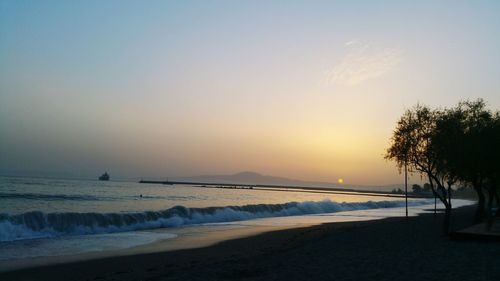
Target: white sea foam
{"x":42,"y":225}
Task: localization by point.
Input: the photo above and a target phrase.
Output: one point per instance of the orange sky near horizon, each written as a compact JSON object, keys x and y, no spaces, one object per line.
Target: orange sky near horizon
{"x":306,"y":90}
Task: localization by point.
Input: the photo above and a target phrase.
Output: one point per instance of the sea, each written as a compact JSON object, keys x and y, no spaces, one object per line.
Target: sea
{"x":42,"y":217}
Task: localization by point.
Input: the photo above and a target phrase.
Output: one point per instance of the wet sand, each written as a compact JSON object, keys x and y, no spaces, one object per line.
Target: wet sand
{"x":388,"y":249}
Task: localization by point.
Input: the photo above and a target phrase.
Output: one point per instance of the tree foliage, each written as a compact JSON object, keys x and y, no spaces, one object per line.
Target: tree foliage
{"x":449,"y":146}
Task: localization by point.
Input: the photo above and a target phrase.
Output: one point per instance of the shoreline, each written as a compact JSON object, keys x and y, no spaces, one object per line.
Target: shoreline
{"x":386,"y":249}
{"x":204,"y":235}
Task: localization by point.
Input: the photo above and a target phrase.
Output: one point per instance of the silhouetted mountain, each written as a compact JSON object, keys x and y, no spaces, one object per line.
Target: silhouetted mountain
{"x":248,"y":177}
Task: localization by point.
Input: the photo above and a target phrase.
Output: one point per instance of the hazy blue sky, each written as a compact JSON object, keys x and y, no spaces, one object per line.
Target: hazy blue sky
{"x":301,"y":89}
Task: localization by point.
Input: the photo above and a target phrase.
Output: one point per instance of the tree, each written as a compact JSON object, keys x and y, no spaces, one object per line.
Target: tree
{"x":412,"y":145}
{"x":416,"y":188}
{"x":491,"y":158}
{"x":397,"y":191}
{"x":449,"y":146}
{"x":470,"y":152}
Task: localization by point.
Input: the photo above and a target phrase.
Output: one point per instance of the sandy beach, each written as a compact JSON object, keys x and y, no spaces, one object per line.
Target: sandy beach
{"x":388,"y":249}
{"x":249,"y":140}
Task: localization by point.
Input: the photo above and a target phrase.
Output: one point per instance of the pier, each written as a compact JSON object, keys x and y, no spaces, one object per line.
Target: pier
{"x":309,"y":189}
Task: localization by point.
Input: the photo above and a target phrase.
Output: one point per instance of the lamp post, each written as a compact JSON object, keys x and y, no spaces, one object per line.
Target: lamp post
{"x":406,"y":187}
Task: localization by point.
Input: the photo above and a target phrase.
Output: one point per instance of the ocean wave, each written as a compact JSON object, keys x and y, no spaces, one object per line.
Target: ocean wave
{"x":39,"y":225}
{"x":40,"y":196}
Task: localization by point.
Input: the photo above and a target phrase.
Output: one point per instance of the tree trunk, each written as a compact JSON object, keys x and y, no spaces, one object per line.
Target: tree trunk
{"x":447,"y":220}
{"x":496,"y":198}
{"x":433,"y":193}
{"x":443,"y":196}
{"x":478,"y":217}
{"x":498,"y":201}
{"x":491,"y":196}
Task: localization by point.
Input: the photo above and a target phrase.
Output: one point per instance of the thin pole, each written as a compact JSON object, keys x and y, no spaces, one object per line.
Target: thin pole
{"x":406,"y":188}
{"x":435,"y":204}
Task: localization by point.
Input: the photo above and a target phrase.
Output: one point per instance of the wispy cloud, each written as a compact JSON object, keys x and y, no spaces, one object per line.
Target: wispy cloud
{"x":362,"y":62}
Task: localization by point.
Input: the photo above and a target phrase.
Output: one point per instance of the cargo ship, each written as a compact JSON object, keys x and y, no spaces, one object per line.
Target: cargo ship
{"x":104,"y":177}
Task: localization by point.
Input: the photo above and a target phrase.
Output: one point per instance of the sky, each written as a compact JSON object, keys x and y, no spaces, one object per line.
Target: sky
{"x":309,"y":90}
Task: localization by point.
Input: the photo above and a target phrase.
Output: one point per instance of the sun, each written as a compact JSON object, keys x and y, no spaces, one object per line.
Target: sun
{"x":340,"y":180}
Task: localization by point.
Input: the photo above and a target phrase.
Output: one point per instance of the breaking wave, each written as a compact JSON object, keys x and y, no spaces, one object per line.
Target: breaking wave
{"x":39,"y":225}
